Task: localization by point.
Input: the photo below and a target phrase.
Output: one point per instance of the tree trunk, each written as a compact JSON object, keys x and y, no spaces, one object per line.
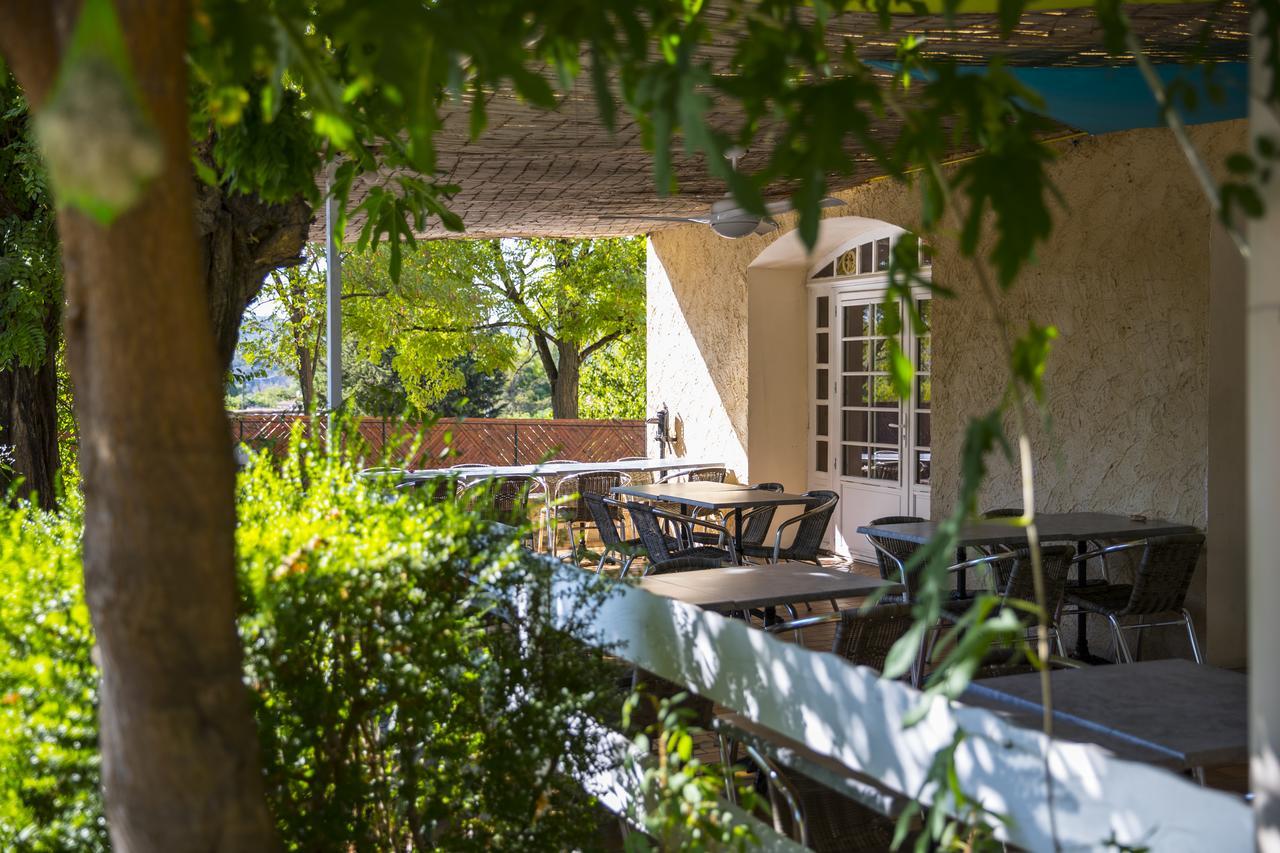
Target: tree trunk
{"x":564,"y":386}
{"x":242,"y":238}
{"x":307,"y":378}
{"x":179,"y":754}
{"x":29,"y":421}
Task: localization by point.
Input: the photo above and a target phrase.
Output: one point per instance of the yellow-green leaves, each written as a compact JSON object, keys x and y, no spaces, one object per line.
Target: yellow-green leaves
{"x":98,"y":141}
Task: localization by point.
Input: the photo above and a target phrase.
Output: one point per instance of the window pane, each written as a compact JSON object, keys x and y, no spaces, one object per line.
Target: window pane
{"x":884,"y":464}
{"x":865,"y":259}
{"x":821,"y":421}
{"x":820,"y":456}
{"x":923,"y":392}
{"x":855,"y":320}
{"x":923,"y":435}
{"x":849,"y":460}
{"x":824,"y":312}
{"x":824,"y":354}
{"x":882,"y":253}
{"x":878,"y":357}
{"x":855,"y":426}
{"x":853,"y":356}
{"x":924,"y":354}
{"x":886,"y":428}
{"x":884,"y":396}
{"x":855,"y":391}
{"x":823,"y":381}
{"x":926,"y":257}
{"x":826,"y":272}
{"x":875,"y":316}
{"x":922,"y":467}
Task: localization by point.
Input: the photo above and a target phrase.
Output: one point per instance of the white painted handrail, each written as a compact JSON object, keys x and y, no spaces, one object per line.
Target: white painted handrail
{"x":848,"y":713}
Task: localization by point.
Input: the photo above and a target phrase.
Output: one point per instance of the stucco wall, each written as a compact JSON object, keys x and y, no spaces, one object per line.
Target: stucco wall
{"x":1125,"y":277}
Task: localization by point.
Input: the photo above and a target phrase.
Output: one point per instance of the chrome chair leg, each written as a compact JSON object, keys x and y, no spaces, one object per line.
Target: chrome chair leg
{"x":1123,"y":655}
{"x":1191,"y":635}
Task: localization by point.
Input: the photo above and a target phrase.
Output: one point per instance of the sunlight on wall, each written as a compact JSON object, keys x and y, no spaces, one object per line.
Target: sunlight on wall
{"x":680,"y":376}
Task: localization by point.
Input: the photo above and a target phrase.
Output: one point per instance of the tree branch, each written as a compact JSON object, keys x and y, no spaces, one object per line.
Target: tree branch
{"x":603,"y":342}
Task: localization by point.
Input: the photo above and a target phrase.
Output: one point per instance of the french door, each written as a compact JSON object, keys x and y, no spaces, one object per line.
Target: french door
{"x":866,"y":444}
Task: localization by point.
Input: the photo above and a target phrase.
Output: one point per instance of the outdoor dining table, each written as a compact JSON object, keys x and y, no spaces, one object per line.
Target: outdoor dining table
{"x":1079,"y":527}
{"x":737,"y":588}
{"x":1194,"y":715}
{"x":728,"y":498}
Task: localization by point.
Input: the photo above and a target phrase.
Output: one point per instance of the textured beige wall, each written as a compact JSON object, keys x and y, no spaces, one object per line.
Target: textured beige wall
{"x":1125,"y":278}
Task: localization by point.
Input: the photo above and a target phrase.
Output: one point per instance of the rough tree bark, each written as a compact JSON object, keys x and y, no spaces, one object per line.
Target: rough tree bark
{"x":242,"y":238}
{"x":564,"y":387}
{"x":29,"y":420}
{"x":179,"y":754}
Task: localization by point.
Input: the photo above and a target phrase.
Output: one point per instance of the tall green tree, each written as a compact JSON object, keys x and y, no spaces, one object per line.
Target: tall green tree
{"x":30,"y":306}
{"x":570,"y":299}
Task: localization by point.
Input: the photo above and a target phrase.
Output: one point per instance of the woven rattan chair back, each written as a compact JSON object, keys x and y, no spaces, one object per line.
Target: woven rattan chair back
{"x":809,"y":532}
{"x":433,"y":490}
{"x":1164,"y":573}
{"x":1020,"y":580}
{"x":756,"y":524}
{"x":707,"y":475}
{"x":594,"y":483}
{"x":507,"y":498}
{"x":865,"y":637}
{"x":605,"y":518}
{"x":899,"y":548}
{"x":649,"y":531}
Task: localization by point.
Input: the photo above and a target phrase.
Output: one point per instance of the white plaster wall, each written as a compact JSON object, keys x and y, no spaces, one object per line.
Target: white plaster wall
{"x":1125,"y":278}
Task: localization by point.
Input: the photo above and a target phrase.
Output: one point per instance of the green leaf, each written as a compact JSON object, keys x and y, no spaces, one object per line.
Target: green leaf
{"x":97,"y":137}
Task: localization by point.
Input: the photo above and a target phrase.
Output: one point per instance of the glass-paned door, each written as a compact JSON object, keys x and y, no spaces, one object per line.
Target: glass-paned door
{"x":879,"y":444}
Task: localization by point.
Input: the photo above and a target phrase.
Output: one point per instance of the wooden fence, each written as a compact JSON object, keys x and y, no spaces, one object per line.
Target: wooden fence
{"x":489,"y":441}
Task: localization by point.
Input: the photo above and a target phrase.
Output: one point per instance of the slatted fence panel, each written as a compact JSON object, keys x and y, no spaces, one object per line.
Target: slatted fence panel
{"x":490,"y":441}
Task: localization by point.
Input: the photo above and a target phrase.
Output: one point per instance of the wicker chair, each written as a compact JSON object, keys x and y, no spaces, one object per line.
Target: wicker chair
{"x":811,"y":526}
{"x":695,"y":475}
{"x":892,"y":554}
{"x":755,"y":524}
{"x":503,"y":499}
{"x":607,"y":513}
{"x":659,"y":547}
{"x":1019,"y":585}
{"x":863,"y":637}
{"x":433,"y":489}
{"x":570,"y":506}
{"x":827,"y":815}
{"x":1158,"y":591}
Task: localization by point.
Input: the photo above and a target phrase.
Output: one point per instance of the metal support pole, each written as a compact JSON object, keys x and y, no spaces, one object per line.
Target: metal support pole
{"x":1262,"y":402}
{"x":333,"y":302}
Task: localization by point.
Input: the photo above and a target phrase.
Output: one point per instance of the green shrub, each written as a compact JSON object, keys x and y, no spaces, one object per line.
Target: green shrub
{"x":49,"y":794}
{"x":400,"y":705}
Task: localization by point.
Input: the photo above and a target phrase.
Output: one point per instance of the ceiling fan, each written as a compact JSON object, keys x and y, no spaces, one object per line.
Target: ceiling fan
{"x":727,"y":218}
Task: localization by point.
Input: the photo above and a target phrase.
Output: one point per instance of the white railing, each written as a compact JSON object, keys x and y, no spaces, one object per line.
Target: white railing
{"x":848,"y":713}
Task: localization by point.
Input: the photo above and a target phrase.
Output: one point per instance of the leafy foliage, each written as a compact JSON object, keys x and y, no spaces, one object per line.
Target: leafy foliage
{"x":480,"y":298}
{"x":383,"y":667}
{"x":30,"y":272}
{"x":614,"y":381}
{"x":679,"y":802}
{"x":49,"y":782}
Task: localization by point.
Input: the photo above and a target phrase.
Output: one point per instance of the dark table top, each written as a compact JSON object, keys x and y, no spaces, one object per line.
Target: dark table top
{"x":772,"y":584}
{"x":1053,"y":527}
{"x":1194,"y":713}
{"x":710,"y":495}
